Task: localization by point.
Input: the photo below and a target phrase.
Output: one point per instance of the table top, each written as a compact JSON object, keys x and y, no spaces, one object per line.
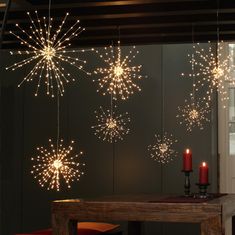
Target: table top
{"x":152,"y":198}
{"x":152,"y":207}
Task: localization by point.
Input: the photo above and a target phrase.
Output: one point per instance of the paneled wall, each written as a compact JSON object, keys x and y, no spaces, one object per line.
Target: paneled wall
{"x":124,"y":167}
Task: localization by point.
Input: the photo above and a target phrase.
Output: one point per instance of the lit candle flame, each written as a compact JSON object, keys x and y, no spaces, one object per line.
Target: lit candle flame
{"x":204,"y":164}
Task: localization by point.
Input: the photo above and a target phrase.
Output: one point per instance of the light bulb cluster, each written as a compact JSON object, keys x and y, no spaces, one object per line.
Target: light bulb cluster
{"x":194,"y":113}
{"x":111,"y":126}
{"x":118,"y":77}
{"x":162,"y":150}
{"x":47,"y":51}
{"x":213,"y":71}
{"x":57,"y":165}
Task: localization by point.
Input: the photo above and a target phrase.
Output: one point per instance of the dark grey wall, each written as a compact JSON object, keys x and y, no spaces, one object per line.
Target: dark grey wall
{"x":28,"y":122}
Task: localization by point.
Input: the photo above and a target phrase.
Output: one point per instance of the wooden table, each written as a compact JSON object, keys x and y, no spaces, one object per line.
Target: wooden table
{"x":211,"y":215}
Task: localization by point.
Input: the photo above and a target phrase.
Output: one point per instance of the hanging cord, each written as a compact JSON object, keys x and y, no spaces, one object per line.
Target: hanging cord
{"x":58,"y":121}
{"x":119,"y":43}
{"x":218,"y":38}
{"x":193,"y":71}
{"x":49,"y":23}
{"x":113,"y":144}
{"x":217,"y":44}
{"x":163,"y":111}
{"x":163,"y":126}
{"x":49,"y":10}
{"x":119,"y":33}
{"x":163,"y":96}
{"x":217,"y":20}
{"x":111,"y":104}
{"x":193,"y":67}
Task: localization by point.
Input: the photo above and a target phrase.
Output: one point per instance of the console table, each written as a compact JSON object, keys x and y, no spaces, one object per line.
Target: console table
{"x":212,"y":215}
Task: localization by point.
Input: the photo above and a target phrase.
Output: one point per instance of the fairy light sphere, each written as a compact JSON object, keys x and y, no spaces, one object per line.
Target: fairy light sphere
{"x":194,"y":114}
{"x":162,"y":150}
{"x":47,"y":52}
{"x":111,"y":126}
{"x":214,"y":71}
{"x":118,"y":78}
{"x":54,"y":166}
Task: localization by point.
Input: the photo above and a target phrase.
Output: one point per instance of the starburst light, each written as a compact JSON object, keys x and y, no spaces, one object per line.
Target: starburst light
{"x":162,"y":150}
{"x":47,"y":52}
{"x":213,"y":71}
{"x":120,"y":76}
{"x":194,"y":113}
{"x":111,"y":126}
{"x":56,"y":165}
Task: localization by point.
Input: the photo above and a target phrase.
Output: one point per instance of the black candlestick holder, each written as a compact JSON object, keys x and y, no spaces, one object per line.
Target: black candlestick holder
{"x":203,"y":190}
{"x":187,"y":184}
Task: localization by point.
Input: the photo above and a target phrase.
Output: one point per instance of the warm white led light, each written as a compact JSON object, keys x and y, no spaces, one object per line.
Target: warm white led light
{"x":111,"y":126}
{"x":162,"y":149}
{"x":214,"y":71}
{"x":47,"y":52}
{"x":194,"y":114}
{"x":119,"y":76}
{"x":56,"y":165}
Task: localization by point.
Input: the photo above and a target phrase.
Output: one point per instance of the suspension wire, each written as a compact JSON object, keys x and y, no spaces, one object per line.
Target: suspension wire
{"x":49,"y":22}
{"x":163,"y":115}
{"x":163,"y":96}
{"x":58,"y":121}
{"x":119,"y":33}
{"x":111,"y":104}
{"x":193,"y":65}
{"x":217,"y":44}
{"x":217,"y":20}
{"x":217,"y":34}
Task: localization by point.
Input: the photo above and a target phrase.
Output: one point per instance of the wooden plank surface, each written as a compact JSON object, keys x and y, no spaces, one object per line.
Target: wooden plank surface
{"x":140,"y":208}
{"x":211,"y":215}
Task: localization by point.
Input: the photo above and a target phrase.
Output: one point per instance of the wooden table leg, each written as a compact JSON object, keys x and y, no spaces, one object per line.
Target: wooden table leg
{"x":63,"y":226}
{"x":134,"y":227}
{"x":212,"y":226}
{"x":73,"y":227}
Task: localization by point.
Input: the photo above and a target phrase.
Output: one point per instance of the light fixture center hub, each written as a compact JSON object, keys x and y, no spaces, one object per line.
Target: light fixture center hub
{"x":57,"y":164}
{"x":111,"y":123}
{"x":217,"y":72}
{"x":48,"y":52}
{"x":193,"y":114}
{"x":163,"y":148}
{"x":118,"y":70}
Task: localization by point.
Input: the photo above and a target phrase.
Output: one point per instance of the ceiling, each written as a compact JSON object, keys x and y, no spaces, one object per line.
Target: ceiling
{"x":139,"y":21}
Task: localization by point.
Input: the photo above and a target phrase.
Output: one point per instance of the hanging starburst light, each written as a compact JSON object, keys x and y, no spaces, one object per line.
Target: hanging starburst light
{"x":162,"y":149}
{"x":111,"y":126}
{"x":56,"y":165}
{"x":213,"y":71}
{"x":194,"y":114}
{"x":47,"y":51}
{"x":120,"y":76}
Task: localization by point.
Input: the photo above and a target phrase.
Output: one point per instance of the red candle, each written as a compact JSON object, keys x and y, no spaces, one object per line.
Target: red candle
{"x":203,"y":173}
{"x":187,"y":160}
